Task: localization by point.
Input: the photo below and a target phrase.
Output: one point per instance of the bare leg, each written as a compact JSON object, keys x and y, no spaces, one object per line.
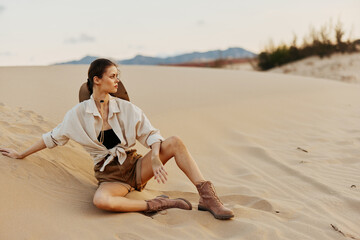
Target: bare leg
{"x":173,"y":147}
{"x":110,"y":196}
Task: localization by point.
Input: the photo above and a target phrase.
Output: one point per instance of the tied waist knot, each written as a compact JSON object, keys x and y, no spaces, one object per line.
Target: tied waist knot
{"x":112,"y":153}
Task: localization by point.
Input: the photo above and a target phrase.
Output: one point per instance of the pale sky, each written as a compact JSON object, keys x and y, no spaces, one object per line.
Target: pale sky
{"x":43,"y":32}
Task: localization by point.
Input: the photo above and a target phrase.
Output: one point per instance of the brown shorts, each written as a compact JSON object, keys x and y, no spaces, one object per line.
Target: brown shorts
{"x":128,"y":174}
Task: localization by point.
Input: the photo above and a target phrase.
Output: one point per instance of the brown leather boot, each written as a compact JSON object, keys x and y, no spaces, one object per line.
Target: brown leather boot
{"x":209,"y":201}
{"x":163,"y":202}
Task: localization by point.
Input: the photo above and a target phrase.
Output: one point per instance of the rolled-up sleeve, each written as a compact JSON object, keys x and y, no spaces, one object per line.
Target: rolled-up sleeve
{"x":146,"y":134}
{"x":57,"y":136}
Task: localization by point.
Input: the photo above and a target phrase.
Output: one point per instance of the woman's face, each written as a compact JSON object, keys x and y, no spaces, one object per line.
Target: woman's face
{"x":109,"y":80}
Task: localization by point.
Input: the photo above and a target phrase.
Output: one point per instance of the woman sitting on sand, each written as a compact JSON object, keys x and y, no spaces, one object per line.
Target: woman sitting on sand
{"x":107,"y":127}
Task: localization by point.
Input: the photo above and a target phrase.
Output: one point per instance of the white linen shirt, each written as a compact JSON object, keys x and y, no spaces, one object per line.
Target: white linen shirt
{"x":83,"y":124}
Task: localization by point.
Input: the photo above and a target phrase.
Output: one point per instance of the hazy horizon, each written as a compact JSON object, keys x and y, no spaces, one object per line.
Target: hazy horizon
{"x":39,"y":32}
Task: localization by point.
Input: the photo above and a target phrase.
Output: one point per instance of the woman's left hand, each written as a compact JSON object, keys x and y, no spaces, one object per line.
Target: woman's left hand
{"x":158,"y":169}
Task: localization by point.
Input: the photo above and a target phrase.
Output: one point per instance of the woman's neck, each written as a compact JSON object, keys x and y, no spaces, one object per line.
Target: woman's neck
{"x":98,"y":96}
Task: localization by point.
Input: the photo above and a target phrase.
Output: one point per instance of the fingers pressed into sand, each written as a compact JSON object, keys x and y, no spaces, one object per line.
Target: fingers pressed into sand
{"x":4,"y":150}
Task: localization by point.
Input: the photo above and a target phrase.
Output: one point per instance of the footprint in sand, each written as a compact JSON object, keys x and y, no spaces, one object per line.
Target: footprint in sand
{"x":248,"y":201}
{"x":263,"y":205}
{"x":128,"y":236}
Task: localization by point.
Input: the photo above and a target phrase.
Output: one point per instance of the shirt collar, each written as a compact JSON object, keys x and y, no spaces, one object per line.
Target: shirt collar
{"x":113,"y":107}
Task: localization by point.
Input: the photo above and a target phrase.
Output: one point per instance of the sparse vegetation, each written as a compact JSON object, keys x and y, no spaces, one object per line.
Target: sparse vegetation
{"x":217,"y":63}
{"x":318,"y":42}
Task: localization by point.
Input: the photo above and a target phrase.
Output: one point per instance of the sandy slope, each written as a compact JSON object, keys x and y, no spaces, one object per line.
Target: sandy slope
{"x":283,"y":152}
{"x":342,"y":67}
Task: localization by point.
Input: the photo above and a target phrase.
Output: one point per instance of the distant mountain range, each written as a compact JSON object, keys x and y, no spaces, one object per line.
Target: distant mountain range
{"x":183,"y":58}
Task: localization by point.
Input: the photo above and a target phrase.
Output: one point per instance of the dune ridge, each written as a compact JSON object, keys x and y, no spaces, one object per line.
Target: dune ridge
{"x":341,"y":67}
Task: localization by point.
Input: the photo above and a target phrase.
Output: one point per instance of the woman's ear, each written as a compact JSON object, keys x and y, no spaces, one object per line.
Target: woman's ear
{"x":97,"y":80}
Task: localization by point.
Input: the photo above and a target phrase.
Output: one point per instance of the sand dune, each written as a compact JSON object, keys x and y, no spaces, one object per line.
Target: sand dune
{"x":341,"y":67}
{"x":283,"y":152}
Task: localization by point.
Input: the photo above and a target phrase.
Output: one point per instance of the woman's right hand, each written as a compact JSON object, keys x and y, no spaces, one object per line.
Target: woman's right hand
{"x":10,"y":153}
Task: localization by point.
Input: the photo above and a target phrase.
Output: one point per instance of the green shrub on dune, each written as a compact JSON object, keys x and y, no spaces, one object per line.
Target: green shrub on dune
{"x":318,"y":43}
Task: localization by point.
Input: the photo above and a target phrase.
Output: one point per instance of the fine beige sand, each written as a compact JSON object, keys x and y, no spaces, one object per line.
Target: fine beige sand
{"x":341,"y":67}
{"x":282,"y":150}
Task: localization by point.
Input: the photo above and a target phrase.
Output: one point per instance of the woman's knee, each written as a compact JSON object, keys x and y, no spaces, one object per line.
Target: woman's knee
{"x":170,"y":147}
{"x":175,"y":142}
{"x":102,"y":201}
